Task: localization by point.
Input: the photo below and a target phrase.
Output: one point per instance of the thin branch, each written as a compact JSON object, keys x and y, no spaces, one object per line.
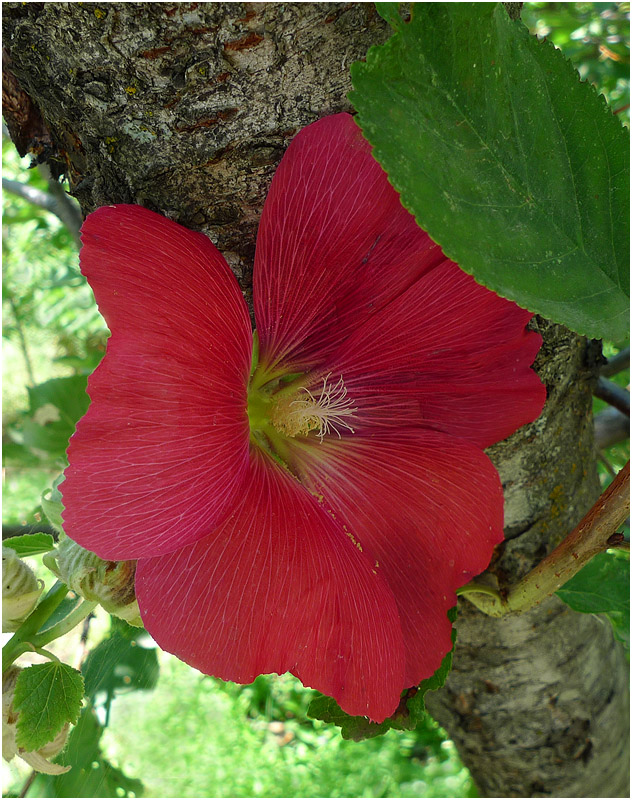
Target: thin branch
{"x":22,"y":337}
{"x":613,"y":394}
{"x":595,"y":533}
{"x":611,"y":427}
{"x":609,"y":468}
{"x":616,"y":364}
{"x":67,"y":209}
{"x":27,"y":784}
{"x":57,"y":202}
{"x":30,"y":193}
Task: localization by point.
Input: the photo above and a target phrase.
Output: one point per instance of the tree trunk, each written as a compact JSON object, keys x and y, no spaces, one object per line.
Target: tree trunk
{"x":187,"y":109}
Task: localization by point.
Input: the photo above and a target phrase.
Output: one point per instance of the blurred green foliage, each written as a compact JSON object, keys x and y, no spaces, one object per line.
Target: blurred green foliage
{"x":206,"y":738}
{"x":596,"y":38}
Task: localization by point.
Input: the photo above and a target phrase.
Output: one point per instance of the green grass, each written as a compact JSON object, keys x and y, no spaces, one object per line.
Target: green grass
{"x":196,"y":737}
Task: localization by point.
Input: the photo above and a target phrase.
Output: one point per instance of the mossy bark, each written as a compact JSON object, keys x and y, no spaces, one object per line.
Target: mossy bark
{"x":187,"y":108}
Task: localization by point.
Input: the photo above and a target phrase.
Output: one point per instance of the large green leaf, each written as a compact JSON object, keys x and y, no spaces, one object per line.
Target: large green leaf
{"x":603,"y":587}
{"x":47,"y":696}
{"x":512,"y":164}
{"x":55,"y":406}
{"x":123,"y":661}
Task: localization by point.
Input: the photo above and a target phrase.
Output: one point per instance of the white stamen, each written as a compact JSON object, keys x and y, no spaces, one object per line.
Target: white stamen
{"x":325,"y":412}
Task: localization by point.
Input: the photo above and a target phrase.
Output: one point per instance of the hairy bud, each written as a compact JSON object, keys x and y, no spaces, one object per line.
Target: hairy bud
{"x":20,"y":590}
{"x":109,"y":583}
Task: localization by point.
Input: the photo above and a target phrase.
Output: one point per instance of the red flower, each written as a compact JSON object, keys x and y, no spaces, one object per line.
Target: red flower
{"x":316,"y":513}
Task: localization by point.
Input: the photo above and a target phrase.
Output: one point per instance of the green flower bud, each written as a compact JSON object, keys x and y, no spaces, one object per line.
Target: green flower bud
{"x":110,"y":583}
{"x":37,"y":759}
{"x":20,"y":590}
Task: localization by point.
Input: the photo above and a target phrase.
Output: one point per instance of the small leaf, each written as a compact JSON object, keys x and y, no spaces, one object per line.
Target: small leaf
{"x":47,"y":696}
{"x":602,"y":587}
{"x":409,"y":713}
{"x":30,"y":544}
{"x":417,"y":703}
{"x":120,"y":662}
{"x":55,"y":408}
{"x":390,"y":13}
{"x":360,"y":728}
{"x":511,"y":163}
{"x":52,"y":505}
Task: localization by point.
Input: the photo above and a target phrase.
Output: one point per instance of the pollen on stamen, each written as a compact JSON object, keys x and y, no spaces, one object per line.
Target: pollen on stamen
{"x":325,"y":411}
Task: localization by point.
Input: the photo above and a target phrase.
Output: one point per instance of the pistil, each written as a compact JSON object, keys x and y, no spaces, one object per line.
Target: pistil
{"x":325,"y":411}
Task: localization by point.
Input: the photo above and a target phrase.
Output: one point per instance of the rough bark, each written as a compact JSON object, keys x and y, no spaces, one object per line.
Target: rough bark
{"x":187,"y":109}
{"x":537,"y":703}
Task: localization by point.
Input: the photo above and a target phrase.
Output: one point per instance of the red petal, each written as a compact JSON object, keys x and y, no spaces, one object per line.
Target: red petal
{"x":334,"y":244}
{"x":280,"y":586}
{"x":430,"y":509}
{"x":449,"y":355}
{"x":165,"y":441}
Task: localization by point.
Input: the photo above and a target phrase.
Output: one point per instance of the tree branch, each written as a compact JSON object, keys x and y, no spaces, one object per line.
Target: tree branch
{"x":611,"y":427}
{"x":57,"y":202}
{"x":594,"y":534}
{"x":616,"y":364}
{"x":613,"y":394}
{"x":66,"y":208}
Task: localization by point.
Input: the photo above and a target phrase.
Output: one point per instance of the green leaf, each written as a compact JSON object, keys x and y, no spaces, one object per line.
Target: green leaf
{"x":52,"y":504}
{"x":603,"y":587}
{"x":417,"y":703}
{"x":91,"y":775}
{"x":359,"y":728}
{"x":512,"y":164}
{"x":55,"y":407}
{"x":30,"y":544}
{"x":47,"y":696}
{"x":122,"y":661}
{"x":409,"y":713}
{"x":390,"y":13}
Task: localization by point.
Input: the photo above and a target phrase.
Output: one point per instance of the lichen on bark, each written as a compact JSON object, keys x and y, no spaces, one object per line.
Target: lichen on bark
{"x":187,"y":108}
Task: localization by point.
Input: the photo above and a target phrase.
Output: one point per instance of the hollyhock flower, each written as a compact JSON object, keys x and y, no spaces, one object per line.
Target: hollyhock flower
{"x":309,"y":504}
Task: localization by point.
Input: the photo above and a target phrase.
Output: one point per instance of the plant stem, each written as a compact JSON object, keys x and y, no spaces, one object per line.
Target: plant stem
{"x":19,"y":642}
{"x":27,"y":636}
{"x":66,"y":624}
{"x":594,"y":534}
{"x":46,"y":653}
{"x":23,"y":346}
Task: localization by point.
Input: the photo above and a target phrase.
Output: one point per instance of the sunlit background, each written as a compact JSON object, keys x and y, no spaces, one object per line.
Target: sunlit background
{"x":162,"y":725}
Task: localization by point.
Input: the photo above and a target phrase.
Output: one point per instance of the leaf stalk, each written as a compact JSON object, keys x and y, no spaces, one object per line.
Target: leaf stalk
{"x":593,"y":535}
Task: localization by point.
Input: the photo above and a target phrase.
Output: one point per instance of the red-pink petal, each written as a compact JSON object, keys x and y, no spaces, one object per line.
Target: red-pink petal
{"x":448,"y":355}
{"x":430,"y":509}
{"x":280,"y":586}
{"x":164,"y":444}
{"x":334,"y":244}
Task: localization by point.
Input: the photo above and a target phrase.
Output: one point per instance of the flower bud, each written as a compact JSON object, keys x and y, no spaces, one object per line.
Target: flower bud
{"x":37,"y":759}
{"x":20,"y":590}
{"x":110,"y":583}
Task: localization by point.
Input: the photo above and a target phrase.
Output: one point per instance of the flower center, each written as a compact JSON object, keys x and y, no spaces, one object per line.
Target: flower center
{"x":325,"y":410}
